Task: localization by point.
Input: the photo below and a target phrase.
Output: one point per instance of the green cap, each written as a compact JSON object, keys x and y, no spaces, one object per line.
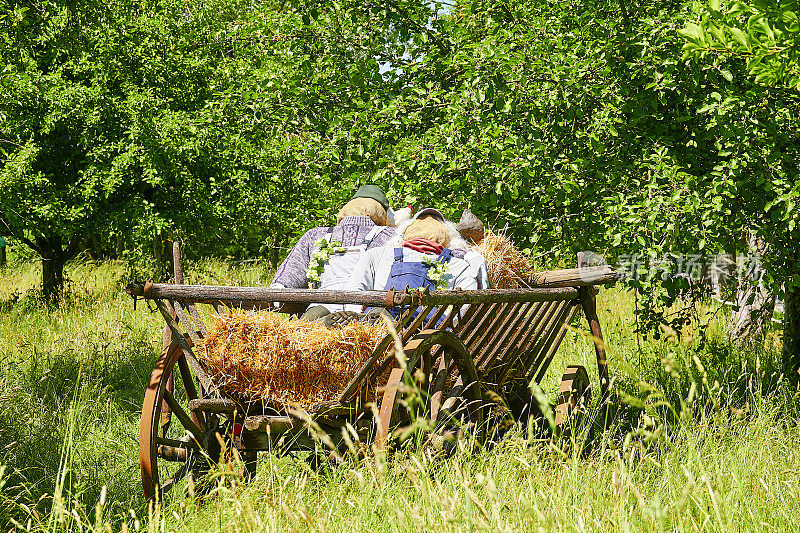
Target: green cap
{"x":371,"y":191}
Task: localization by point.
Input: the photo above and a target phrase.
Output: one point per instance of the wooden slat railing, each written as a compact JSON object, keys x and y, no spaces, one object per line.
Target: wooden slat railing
{"x":245,"y":296}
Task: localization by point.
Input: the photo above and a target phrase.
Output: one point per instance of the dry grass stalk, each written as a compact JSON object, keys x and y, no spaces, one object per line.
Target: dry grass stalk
{"x":265,"y":355}
{"x":505,"y":264}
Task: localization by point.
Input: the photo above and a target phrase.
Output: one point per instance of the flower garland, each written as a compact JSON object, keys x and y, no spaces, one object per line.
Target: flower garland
{"x":436,"y":272}
{"x":323,"y":249}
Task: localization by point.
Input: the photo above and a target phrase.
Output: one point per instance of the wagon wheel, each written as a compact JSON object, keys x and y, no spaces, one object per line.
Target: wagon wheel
{"x":177,"y":445}
{"x":450,"y":394}
{"x":574,"y":400}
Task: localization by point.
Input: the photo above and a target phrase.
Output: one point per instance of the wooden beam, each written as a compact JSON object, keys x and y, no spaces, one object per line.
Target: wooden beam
{"x":255,"y":296}
{"x":575,"y":277}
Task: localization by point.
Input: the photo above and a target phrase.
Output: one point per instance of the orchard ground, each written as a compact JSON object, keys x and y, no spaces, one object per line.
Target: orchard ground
{"x":703,"y":437}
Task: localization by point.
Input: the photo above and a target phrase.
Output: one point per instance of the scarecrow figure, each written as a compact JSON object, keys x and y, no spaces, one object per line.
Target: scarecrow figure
{"x":324,"y":257}
{"x":431,"y":254}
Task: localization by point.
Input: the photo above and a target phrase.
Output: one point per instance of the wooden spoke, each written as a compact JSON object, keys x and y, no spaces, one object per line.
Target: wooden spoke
{"x":439,"y":381}
{"x":187,"y":444}
{"x":185,"y":419}
{"x":429,"y":377}
{"x":182,"y":472}
{"x":574,"y":400}
{"x":191,"y":390}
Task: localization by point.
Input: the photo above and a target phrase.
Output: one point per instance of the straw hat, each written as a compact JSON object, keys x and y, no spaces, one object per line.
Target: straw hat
{"x":427,"y":226}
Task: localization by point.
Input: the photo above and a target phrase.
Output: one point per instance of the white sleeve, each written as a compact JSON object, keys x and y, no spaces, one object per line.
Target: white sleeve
{"x":483,"y":275}
{"x":477,"y":270}
{"x":363,"y":277}
{"x":465,"y":280}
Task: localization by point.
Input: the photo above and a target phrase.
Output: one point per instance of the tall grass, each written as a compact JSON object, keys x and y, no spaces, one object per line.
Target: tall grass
{"x":736,"y":475}
{"x":94,"y":345}
{"x":704,"y":439}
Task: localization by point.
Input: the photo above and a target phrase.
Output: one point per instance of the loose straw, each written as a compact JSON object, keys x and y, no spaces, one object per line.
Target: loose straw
{"x":506,"y":266}
{"x":267,"y":356}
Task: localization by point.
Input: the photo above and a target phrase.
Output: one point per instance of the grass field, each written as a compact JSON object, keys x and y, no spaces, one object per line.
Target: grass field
{"x":702,"y":438}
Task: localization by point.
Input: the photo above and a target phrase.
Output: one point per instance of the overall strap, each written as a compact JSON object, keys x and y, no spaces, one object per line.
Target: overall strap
{"x":374,"y":232}
{"x":398,"y":254}
{"x":328,"y":234}
{"x":445,"y":256}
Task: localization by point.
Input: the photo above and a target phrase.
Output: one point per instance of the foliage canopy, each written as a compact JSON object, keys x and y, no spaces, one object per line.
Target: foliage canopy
{"x":575,"y":124}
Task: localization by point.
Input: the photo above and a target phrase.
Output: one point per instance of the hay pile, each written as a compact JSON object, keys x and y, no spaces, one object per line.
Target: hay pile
{"x":264,"y":355}
{"x":506,"y":266}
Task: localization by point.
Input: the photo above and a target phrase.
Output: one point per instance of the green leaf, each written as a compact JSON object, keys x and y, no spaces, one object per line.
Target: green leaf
{"x":740,"y":37}
{"x":692,"y":32}
{"x":689,"y":50}
{"x":737,"y":7}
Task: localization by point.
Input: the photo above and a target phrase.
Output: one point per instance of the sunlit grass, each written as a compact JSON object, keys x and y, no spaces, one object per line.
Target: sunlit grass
{"x":72,"y":380}
{"x":717,"y":476}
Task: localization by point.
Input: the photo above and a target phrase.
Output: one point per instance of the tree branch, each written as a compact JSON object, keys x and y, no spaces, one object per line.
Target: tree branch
{"x":623,"y":6}
{"x":32,"y":245}
{"x":11,"y":142}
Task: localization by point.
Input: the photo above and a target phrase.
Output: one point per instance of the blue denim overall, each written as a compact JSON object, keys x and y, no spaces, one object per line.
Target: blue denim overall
{"x":412,"y":275}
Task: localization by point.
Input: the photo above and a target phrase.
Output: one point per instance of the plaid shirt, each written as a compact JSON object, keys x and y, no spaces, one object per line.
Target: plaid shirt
{"x":351,"y":231}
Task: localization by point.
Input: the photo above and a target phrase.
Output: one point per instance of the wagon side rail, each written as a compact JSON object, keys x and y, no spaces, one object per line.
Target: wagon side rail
{"x":517,"y":339}
{"x":554,"y":284}
{"x":508,"y":331}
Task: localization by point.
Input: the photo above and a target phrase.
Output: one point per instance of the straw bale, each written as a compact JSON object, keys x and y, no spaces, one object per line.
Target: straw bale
{"x":267,"y":356}
{"x":505,"y":264}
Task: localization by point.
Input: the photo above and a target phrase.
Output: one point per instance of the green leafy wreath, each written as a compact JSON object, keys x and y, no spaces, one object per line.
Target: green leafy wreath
{"x":323,"y":249}
{"x":436,"y":272}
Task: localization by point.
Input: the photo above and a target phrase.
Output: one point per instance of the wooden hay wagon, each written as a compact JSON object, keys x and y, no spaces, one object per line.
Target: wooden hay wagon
{"x":464,"y":351}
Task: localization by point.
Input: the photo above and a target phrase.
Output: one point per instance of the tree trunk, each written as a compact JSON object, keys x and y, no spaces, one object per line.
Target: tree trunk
{"x":97,"y":249}
{"x":274,"y":251}
{"x":791,"y":331}
{"x":158,"y":249}
{"x":53,"y":259}
{"x":755,"y":304}
{"x":722,"y":270}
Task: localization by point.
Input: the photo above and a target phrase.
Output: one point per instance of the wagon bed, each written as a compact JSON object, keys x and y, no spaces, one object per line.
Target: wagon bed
{"x":463,"y":351}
